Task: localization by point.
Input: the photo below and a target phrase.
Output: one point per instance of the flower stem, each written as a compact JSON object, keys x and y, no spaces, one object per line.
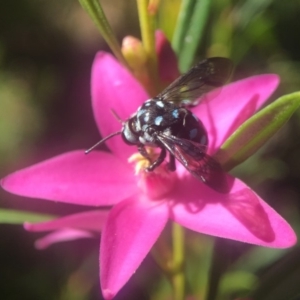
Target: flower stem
{"x":147,"y":28}
{"x":178,"y":280}
{"x":148,"y":39}
{"x":172,"y":262}
{"x":218,"y":266}
{"x":94,"y":9}
{"x":162,"y":255}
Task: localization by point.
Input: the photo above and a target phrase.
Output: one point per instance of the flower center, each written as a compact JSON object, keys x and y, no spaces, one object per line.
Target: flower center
{"x":157,"y":183}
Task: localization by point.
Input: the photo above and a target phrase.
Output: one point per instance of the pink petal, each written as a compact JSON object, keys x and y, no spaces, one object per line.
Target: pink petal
{"x":241,"y":215}
{"x":63,"y":235}
{"x":89,"y":220}
{"x":75,"y":178}
{"x":113,"y":87}
{"x":222,"y":112}
{"x":167,"y":61}
{"x":132,"y":228}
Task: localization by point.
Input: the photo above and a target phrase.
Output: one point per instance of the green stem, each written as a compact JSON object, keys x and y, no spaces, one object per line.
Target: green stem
{"x":147,"y":26}
{"x":172,"y":262}
{"x":148,"y":39}
{"x":178,"y":280}
{"x":94,"y":9}
{"x":218,"y":266}
{"x":11,"y":216}
{"x":162,"y":254}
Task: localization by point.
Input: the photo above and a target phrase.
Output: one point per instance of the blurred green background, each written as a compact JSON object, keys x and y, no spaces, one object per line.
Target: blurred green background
{"x":46,"y":52}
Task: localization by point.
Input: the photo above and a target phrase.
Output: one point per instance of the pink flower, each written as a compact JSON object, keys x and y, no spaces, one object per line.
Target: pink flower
{"x":143,"y":204}
{"x":72,"y":227}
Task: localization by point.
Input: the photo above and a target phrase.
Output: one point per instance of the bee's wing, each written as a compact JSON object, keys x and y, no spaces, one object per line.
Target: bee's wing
{"x":193,"y":157}
{"x":200,"y":79}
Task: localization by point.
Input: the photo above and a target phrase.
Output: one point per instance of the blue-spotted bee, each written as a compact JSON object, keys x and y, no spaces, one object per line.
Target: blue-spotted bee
{"x":166,"y":122}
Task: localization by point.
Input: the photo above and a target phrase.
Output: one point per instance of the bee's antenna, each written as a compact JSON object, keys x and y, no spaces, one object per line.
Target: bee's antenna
{"x":116,"y":116}
{"x":102,"y":141}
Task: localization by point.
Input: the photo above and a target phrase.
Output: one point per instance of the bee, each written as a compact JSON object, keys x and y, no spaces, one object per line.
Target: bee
{"x":167,"y":122}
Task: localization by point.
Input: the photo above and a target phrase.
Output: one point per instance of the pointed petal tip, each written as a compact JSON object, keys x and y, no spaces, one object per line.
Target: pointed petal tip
{"x":27,"y":226}
{"x":272,"y":79}
{"x":40,"y":245}
{"x":242,"y":216}
{"x":75,"y":178}
{"x":288,"y":237}
{"x":124,"y":245}
{"x":108,"y":294}
{"x":10,"y":184}
{"x":62,"y":235}
{"x":103,"y":54}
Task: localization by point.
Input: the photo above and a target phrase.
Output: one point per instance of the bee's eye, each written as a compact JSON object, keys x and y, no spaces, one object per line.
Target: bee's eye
{"x":129,"y":132}
{"x":132,"y":125}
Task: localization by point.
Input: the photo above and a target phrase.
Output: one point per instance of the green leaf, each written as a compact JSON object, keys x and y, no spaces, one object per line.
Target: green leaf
{"x":184,"y":17}
{"x":9,"y":216}
{"x":249,"y":11}
{"x":258,"y":258}
{"x":252,"y":134}
{"x":189,"y":29}
{"x":236,"y":282}
{"x":280,"y":280}
{"x":95,"y":11}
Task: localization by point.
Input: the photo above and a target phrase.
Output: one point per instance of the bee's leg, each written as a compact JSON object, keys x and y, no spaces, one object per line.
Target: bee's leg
{"x":159,"y":160}
{"x":171,"y":164}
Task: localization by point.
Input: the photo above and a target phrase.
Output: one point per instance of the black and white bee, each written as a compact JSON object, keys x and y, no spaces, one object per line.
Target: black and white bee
{"x":166,"y":122}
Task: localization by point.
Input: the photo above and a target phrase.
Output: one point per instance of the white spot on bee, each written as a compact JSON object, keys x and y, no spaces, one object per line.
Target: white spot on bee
{"x":137,"y":126}
{"x":203,"y":140}
{"x":175,"y":113}
{"x":148,"y":102}
{"x":146,"y":117}
{"x":140,"y":112}
{"x":158,"y":120}
{"x":193,"y":133}
{"x":160,"y":103}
